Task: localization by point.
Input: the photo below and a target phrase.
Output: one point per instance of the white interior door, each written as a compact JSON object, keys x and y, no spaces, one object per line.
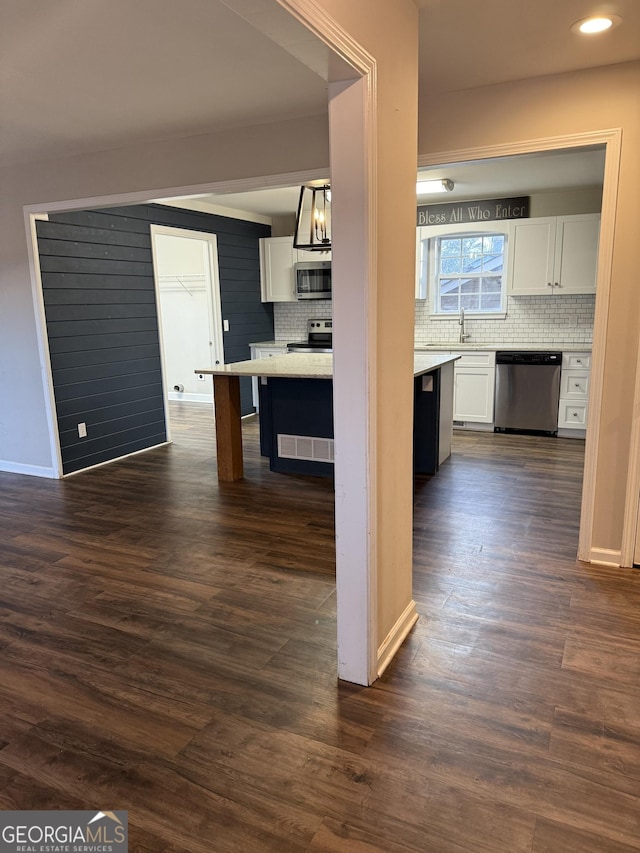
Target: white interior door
{"x":188,"y":296}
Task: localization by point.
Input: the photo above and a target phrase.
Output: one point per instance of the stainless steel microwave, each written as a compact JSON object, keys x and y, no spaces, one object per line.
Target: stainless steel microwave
{"x":313,"y":280}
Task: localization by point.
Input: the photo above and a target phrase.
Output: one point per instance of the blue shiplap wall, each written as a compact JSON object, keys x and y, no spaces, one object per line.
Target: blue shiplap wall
{"x":102,"y":323}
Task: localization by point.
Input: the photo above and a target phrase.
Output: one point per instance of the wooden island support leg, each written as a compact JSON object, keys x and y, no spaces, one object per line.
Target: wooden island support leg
{"x":226,"y":395}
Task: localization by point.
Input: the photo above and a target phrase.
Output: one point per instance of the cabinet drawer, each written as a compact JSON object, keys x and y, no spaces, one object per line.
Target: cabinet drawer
{"x":574,"y":384}
{"x":270,"y":352}
{"x":474,"y":359}
{"x":572,"y":415}
{"x":576,"y":360}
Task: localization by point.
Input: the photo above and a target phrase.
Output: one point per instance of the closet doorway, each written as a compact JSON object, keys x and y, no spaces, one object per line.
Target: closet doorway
{"x":187,"y":282}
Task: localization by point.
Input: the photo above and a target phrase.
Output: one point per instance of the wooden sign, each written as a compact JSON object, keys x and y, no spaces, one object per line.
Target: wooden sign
{"x":485,"y":210}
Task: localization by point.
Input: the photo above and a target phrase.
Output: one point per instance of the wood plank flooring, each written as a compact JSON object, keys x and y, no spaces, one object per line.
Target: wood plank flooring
{"x":168,"y":647}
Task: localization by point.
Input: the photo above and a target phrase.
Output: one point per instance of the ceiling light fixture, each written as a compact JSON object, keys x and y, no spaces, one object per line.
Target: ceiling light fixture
{"x":444,"y":185}
{"x":596,"y":24}
{"x":313,"y":222}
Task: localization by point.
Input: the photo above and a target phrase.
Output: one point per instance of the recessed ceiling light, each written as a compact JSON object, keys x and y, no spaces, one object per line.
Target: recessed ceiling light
{"x":443,"y":185}
{"x":596,"y":24}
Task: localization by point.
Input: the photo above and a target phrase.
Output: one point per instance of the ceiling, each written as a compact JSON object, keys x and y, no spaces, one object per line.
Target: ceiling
{"x":469,"y":43}
{"x":523,"y":174}
{"x":81,"y":75}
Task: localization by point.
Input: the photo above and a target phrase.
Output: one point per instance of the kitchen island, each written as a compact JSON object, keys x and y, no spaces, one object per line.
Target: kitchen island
{"x":296,"y":419}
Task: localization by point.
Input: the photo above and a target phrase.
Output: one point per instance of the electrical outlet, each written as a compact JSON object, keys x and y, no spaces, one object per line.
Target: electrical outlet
{"x":201,"y":377}
{"x":225,"y":325}
{"x":82,"y":430}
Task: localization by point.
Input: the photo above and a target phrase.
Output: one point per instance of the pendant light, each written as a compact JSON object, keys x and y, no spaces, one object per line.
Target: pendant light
{"x":313,"y":222}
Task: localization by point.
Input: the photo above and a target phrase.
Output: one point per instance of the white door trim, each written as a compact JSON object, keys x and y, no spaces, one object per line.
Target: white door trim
{"x":354,"y":386}
{"x":214,"y":306}
{"x":612,"y":140}
{"x":36,"y":211}
{"x":353,"y":103}
{"x":158,"y":194}
{"x":44,"y":354}
{"x":630,"y":550}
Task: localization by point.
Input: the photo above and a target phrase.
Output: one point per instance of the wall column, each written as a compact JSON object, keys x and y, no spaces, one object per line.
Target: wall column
{"x":372,"y":124}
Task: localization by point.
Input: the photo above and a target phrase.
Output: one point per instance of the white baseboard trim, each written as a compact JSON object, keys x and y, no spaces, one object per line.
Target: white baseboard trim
{"x":29,"y":470}
{"x":396,"y":636}
{"x":188,"y":397}
{"x":605,"y":557}
{"x":572,"y":433}
{"x":473,"y":426}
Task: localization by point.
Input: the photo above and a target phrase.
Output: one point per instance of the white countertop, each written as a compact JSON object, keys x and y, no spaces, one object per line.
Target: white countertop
{"x":272,"y":343}
{"x":475,"y":347}
{"x":296,"y":365}
{"x":469,"y":346}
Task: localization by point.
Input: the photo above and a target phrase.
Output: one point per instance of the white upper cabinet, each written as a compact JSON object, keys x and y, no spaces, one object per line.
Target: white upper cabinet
{"x":277,"y":267}
{"x":421,"y":265}
{"x":277,"y":281}
{"x":532,"y":256}
{"x":554,"y":255}
{"x":303,"y":255}
{"x":576,"y":253}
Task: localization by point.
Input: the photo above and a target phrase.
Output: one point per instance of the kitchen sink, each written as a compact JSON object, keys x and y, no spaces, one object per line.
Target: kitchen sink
{"x":466,"y":345}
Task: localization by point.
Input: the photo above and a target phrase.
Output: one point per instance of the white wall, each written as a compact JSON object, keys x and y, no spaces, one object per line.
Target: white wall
{"x":566,"y":202}
{"x":580,"y":102}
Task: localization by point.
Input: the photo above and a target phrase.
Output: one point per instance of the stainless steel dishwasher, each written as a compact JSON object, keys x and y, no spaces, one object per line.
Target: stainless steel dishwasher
{"x":527,"y":391}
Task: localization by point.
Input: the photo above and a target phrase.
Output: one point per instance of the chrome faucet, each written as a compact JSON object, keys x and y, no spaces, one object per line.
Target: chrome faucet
{"x":463,"y":334}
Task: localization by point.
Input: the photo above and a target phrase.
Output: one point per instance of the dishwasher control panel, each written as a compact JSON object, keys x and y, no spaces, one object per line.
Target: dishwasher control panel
{"x":528,"y":357}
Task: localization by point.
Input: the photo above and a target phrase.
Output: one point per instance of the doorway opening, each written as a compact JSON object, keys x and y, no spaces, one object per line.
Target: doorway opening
{"x":583,"y":188}
{"x":186,"y":273}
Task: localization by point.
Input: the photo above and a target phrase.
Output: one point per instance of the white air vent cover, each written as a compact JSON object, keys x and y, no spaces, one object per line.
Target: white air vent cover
{"x":306,"y":447}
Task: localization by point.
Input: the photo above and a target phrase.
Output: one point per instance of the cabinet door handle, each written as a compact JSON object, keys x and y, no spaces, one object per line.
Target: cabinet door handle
{"x":549,"y":284}
{"x":557,"y":284}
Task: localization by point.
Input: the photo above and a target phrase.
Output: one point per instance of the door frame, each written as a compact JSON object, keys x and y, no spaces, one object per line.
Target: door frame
{"x":40,"y":210}
{"x":214,"y":304}
{"x":611,"y":139}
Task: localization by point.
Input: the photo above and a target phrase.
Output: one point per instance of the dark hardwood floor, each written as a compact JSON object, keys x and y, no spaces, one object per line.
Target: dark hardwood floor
{"x":168,"y":647}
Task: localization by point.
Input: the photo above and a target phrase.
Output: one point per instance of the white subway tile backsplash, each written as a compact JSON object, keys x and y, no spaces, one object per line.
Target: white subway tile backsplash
{"x":529,"y":320}
{"x":290,"y":318}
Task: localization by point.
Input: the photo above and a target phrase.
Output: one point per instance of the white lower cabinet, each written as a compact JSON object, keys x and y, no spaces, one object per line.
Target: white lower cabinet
{"x":574,"y":394}
{"x":572,"y":415}
{"x":474,"y":389}
{"x":263,"y":352}
{"x":474,"y":376}
{"x":473,"y":395}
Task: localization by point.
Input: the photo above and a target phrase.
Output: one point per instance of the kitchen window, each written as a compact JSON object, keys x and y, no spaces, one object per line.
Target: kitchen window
{"x":467,"y":269}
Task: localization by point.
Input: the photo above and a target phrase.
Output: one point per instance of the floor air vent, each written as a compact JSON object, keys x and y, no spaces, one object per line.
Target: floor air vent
{"x":305,"y":447}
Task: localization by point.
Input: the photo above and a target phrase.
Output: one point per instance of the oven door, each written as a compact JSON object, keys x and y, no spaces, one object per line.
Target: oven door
{"x":306,"y":348}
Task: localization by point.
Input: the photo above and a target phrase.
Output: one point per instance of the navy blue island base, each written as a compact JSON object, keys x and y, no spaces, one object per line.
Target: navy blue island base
{"x":297,"y":408}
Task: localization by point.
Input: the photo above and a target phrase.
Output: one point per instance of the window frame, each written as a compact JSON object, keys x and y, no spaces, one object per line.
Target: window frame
{"x":428,"y":266}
